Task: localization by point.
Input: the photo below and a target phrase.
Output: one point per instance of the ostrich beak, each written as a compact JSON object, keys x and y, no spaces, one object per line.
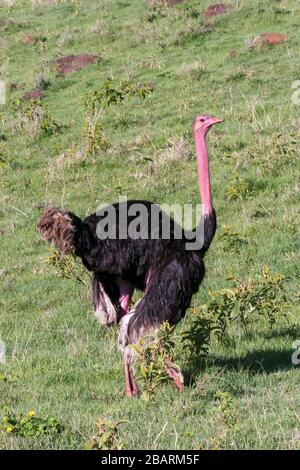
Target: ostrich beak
{"x":217,"y":120}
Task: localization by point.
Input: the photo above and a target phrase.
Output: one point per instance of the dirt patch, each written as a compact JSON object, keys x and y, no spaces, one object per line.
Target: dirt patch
{"x":217,"y":9}
{"x":33,"y":95}
{"x":28,"y":40}
{"x":71,"y":63}
{"x":266,"y":39}
{"x":273,"y":38}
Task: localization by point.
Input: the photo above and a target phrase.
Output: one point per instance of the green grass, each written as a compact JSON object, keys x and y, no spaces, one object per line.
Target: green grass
{"x":60,"y":362}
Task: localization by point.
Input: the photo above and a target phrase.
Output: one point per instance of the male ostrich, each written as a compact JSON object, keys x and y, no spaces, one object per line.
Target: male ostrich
{"x":167,"y":272}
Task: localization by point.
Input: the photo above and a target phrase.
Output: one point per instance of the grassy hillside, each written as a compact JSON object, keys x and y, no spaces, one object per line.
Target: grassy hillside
{"x":60,"y":362}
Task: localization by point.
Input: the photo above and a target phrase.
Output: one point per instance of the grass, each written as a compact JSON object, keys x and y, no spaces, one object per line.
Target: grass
{"x":60,"y":362}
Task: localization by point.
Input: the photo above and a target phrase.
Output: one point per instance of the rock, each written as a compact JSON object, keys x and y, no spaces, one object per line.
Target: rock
{"x":217,"y":9}
{"x":71,"y":63}
{"x":33,"y":95}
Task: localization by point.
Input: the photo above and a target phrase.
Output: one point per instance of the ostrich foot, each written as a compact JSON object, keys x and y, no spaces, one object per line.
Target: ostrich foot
{"x":175,"y":373}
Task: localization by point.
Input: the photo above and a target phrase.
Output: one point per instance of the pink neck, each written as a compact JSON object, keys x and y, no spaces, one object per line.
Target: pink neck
{"x":203,"y":172}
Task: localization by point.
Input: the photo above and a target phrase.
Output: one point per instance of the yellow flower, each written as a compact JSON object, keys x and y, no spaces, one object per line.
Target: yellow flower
{"x":31,"y":414}
{"x":9,"y":429}
{"x":4,"y":419}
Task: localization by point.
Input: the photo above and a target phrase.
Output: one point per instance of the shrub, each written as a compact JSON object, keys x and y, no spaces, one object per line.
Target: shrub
{"x":263,"y":295}
{"x":109,"y":94}
{"x":153,"y":356}
{"x":67,"y":267}
{"x":239,"y":188}
{"x":29,"y":425}
{"x":106,"y":437}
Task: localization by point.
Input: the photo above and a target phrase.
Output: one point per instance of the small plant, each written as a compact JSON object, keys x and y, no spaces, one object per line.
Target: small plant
{"x":29,"y":425}
{"x":8,"y":378}
{"x":194,"y":71}
{"x":109,"y":94}
{"x":34,"y":118}
{"x":196,"y":338}
{"x":67,"y":38}
{"x":153,"y":357}
{"x":220,"y":309}
{"x":4,"y":154}
{"x":227,"y":408}
{"x":67,"y":267}
{"x":239,"y":188}
{"x":177,"y":149}
{"x":151,"y":63}
{"x":113,"y":93}
{"x":232,"y":238}
{"x":99,"y":28}
{"x":282,"y":150}
{"x":245,"y":301}
{"x":106,"y":437}
{"x":93,"y":132}
{"x":42,"y":83}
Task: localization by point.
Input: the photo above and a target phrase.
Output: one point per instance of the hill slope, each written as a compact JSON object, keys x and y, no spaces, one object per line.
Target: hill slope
{"x":60,"y":362}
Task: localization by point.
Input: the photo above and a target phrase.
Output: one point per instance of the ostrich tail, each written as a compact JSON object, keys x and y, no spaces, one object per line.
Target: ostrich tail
{"x":63,"y":229}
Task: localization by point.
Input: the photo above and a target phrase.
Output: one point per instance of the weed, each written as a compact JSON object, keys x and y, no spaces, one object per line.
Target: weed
{"x":4,"y":154}
{"x":193,"y":71}
{"x":227,"y":408}
{"x":93,"y":134}
{"x":29,"y":425}
{"x":111,"y":93}
{"x":239,"y":188}
{"x":232,"y":238}
{"x":35,"y":119}
{"x":195,"y":339}
{"x":67,"y":38}
{"x":97,"y":102}
{"x":151,"y":63}
{"x":153,"y":356}
{"x":246,"y":301}
{"x":42,"y":83}
{"x":107,"y":436}
{"x":67,"y":267}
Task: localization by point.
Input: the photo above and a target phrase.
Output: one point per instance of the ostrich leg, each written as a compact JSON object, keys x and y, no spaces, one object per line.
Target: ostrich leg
{"x":131,"y":386}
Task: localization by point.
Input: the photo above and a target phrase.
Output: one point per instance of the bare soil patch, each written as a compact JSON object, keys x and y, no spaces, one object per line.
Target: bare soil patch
{"x":72,"y":63}
{"x":217,"y":9}
{"x":33,"y":95}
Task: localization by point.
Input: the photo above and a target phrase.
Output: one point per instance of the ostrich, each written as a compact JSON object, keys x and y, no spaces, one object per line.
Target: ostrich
{"x":163,"y":268}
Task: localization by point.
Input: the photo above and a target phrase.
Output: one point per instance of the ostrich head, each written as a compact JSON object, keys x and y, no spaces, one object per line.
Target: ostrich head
{"x":203,"y":123}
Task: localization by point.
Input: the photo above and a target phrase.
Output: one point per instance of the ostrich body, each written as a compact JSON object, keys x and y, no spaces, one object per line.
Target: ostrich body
{"x":163,"y":269}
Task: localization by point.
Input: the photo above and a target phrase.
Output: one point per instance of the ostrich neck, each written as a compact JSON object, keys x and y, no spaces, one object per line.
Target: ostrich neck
{"x":203,"y":172}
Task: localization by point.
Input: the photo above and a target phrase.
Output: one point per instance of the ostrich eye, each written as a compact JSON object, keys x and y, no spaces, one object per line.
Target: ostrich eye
{"x":202,"y":120}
